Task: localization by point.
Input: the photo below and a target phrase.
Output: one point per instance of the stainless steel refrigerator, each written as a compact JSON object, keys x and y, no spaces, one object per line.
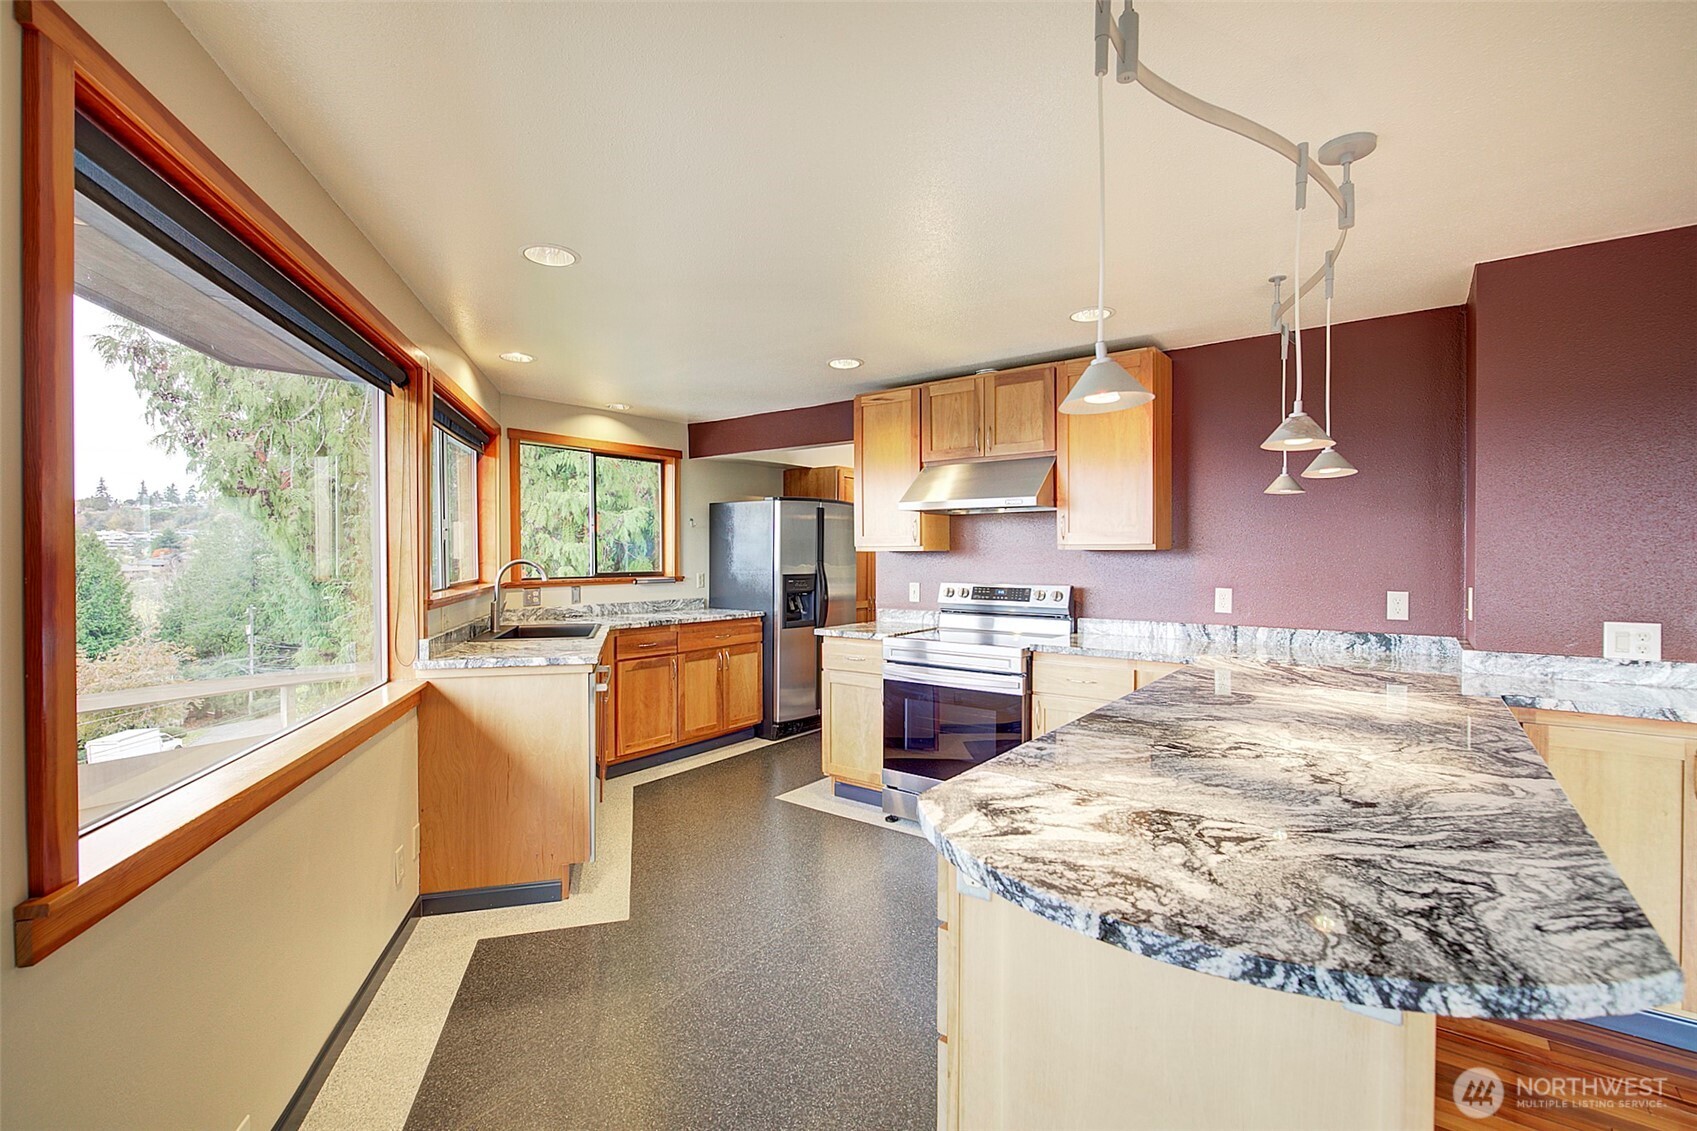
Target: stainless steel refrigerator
{"x":793,"y":560}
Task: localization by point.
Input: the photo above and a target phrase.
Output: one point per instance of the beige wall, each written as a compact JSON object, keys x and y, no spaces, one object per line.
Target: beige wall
{"x":203,"y":1000}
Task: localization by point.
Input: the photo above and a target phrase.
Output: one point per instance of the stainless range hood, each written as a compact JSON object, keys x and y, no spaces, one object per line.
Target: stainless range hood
{"x":987,"y":486}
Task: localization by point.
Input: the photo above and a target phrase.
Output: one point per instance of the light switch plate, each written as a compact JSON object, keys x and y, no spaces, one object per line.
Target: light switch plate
{"x":913,"y":591}
{"x":1632,"y":640}
{"x":701,"y":581}
{"x":1222,"y":600}
{"x":1396,"y":604}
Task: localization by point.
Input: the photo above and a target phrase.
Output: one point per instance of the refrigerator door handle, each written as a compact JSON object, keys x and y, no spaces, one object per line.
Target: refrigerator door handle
{"x":821,"y":583}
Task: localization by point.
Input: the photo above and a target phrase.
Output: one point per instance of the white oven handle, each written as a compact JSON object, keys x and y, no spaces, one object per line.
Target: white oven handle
{"x":953,"y":677}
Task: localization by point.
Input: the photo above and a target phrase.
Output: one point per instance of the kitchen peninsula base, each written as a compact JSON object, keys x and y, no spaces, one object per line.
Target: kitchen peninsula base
{"x":1041,"y":1026}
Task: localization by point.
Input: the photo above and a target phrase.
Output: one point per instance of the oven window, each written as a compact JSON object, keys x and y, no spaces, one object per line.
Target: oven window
{"x":941,"y":731}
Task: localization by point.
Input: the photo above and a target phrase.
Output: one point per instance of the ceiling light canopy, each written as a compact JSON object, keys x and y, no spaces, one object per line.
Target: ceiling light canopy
{"x":1092,"y":314}
{"x":518,"y":356}
{"x":844,"y":363}
{"x":550,"y":255}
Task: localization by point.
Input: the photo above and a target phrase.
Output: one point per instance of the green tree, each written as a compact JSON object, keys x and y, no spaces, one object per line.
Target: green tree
{"x":168,"y":539}
{"x":105,"y":617}
{"x":171,"y":497}
{"x":291,"y":457}
{"x":100,"y":491}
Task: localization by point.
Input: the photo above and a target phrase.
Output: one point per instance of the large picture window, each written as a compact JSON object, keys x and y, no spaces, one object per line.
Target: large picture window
{"x":227,"y":454}
{"x":590,"y":511}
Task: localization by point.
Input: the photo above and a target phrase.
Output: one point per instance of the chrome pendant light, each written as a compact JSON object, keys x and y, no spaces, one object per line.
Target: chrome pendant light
{"x":1329,"y":464}
{"x":1282,"y":484}
{"x":1299,"y":432}
{"x":1104,"y":386}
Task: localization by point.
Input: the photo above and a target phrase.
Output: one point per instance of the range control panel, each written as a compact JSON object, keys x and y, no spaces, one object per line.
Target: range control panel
{"x":1006,"y":596}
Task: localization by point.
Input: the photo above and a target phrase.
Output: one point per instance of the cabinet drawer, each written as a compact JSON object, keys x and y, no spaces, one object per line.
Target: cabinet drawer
{"x":846,"y":655}
{"x":1148,"y":673}
{"x":1083,"y":677}
{"x":646,"y":641}
{"x":718,"y":634}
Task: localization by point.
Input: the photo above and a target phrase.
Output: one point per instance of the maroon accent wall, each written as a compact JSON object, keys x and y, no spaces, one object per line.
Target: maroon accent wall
{"x":789,"y":428}
{"x":1320,"y":560}
{"x":1584,"y":445}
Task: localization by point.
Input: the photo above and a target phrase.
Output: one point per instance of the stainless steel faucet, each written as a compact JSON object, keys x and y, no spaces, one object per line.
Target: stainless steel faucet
{"x":495,"y":609}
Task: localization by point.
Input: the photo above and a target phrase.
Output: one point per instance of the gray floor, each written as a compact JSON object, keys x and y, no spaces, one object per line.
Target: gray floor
{"x":778,"y":970}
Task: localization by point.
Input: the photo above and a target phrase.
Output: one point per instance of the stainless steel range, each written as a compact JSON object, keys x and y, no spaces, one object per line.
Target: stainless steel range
{"x":960,"y":694}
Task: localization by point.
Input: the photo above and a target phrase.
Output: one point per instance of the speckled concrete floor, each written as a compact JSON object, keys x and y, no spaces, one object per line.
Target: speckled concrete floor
{"x":777,"y":970}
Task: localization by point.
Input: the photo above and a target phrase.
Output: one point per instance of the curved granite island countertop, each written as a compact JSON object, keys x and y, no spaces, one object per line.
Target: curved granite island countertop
{"x":1368,"y":837}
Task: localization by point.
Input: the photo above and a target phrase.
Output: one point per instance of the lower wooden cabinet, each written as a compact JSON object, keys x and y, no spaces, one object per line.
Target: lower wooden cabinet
{"x":1631,"y":781}
{"x":675,"y":685}
{"x":1065,"y":688}
{"x":1051,"y":712}
{"x":851,"y":711}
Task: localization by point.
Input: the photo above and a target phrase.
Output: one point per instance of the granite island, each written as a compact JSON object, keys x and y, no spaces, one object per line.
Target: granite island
{"x":1296,"y":866}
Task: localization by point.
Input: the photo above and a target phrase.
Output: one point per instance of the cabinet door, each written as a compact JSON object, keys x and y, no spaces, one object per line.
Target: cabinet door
{"x":1050,"y":712}
{"x":1113,"y":470}
{"x":1630,"y":791}
{"x":743,"y":706}
{"x":952,"y":421}
{"x":886,"y":459}
{"x":700,"y":705}
{"x":1019,"y":412}
{"x":646,"y":707}
{"x":851,"y":733}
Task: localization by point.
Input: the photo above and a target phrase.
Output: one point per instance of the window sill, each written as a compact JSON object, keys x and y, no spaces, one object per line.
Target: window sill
{"x":120,"y":860}
{"x":457,"y":593}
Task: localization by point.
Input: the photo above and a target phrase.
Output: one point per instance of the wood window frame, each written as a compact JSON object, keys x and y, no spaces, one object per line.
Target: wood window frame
{"x":77,"y":879}
{"x":488,"y":500}
{"x":671,"y":523}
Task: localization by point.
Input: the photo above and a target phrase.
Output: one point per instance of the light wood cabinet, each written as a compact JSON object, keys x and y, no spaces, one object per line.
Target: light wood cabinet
{"x":1631,"y":781}
{"x":674,"y":685}
{"x":989,"y":416}
{"x":1065,"y":688}
{"x":1019,"y":411}
{"x":505,"y":772}
{"x":952,"y":420}
{"x":1051,"y":712}
{"x":851,"y":711}
{"x":886,"y":460}
{"x":1113,"y":470}
{"x":646,"y":708}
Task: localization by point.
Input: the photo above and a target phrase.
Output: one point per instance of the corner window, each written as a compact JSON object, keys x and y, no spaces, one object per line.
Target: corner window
{"x":227,"y":453}
{"x":590,"y":511}
{"x":461,"y":439}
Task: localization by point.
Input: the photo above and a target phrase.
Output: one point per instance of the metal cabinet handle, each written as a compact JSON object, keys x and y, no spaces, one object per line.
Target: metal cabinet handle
{"x":1071,"y":679}
{"x":650,"y":644}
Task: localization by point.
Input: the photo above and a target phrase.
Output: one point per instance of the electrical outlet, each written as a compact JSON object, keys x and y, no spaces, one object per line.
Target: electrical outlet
{"x":576,"y":594}
{"x":417,"y":842}
{"x":532,"y":598}
{"x":701,"y":581}
{"x":1396,"y":605}
{"x":913,"y":592}
{"x":1632,"y":640}
{"x":400,"y":866}
{"x":1222,"y":600}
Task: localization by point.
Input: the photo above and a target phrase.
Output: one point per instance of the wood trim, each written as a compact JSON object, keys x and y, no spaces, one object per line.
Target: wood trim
{"x":125,"y":858}
{"x":671,"y":512}
{"x":109,"y":93}
{"x":50,"y":649}
{"x":488,"y":500}
{"x":454,"y":594}
{"x":443,"y":386}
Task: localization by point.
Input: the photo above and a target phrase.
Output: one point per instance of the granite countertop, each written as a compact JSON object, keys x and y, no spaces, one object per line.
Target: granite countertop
{"x":456,"y":649}
{"x":1365,"y":836}
{"x":887,"y":625}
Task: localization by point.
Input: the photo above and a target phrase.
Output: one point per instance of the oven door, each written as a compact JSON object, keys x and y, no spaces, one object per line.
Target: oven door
{"x":939,"y":722}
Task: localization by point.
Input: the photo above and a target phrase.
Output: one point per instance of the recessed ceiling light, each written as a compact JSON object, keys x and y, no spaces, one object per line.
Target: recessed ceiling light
{"x":844,"y":363}
{"x":550,"y":255}
{"x":1090,"y":315}
{"x":619,"y":406}
{"x":515,"y":355}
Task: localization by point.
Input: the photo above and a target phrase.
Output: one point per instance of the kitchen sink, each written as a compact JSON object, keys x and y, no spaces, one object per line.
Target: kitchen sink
{"x":545,"y":632}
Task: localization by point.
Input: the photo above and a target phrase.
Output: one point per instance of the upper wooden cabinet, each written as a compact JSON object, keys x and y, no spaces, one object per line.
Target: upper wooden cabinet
{"x":886,"y":460}
{"x":1114,"y":470}
{"x":989,"y":416}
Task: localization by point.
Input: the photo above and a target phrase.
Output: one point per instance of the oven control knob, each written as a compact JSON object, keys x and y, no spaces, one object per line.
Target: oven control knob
{"x":949,"y":591}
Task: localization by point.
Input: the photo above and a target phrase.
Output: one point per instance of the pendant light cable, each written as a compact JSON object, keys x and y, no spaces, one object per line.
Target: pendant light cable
{"x":1101,"y":222}
{"x":1284,"y":380}
{"x":1296,"y":308}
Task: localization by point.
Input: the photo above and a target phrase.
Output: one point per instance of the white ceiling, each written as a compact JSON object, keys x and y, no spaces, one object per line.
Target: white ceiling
{"x":756,"y":188}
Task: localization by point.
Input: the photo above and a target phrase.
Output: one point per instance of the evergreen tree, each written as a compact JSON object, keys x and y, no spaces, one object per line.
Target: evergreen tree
{"x":141,"y":494}
{"x":100,"y":491}
{"x":105,"y":617}
{"x":171,"y":497}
